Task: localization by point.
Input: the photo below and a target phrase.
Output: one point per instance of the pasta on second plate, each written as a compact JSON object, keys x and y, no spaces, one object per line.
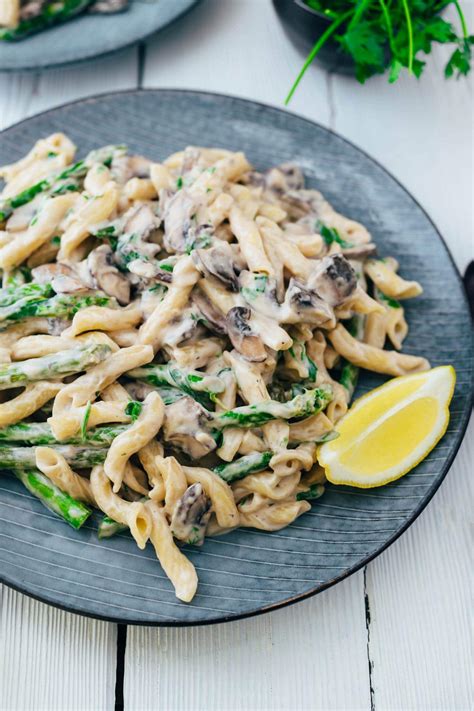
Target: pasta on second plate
{"x":177,"y":337}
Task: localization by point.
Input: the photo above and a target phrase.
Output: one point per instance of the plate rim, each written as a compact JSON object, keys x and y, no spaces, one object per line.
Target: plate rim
{"x":446,"y":467}
{"x":26,"y":69}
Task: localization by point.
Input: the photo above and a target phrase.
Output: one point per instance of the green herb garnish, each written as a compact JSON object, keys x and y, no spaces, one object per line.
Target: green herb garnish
{"x":389,"y":35}
{"x":133,"y":409}
{"x":330,"y":235}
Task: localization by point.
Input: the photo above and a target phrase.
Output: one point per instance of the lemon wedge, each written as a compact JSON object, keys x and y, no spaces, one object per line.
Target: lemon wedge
{"x":390,"y":430}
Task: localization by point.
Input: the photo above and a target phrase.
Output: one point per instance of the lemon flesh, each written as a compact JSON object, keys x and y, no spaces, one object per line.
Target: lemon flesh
{"x":390,"y":430}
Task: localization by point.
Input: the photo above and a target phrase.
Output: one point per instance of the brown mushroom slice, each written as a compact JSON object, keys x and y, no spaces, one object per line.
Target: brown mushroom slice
{"x":243,"y":338}
{"x":191,"y":515}
{"x":213,"y":318}
{"x":107,"y":276}
{"x":177,"y":215}
{"x":253,"y":178}
{"x":140,"y":221}
{"x":125,"y":167}
{"x":284,"y":177}
{"x":106,"y":7}
{"x":334,"y":280}
{"x":303,"y":304}
{"x":45,"y":273}
{"x":186,"y":428}
{"x":360,"y":251}
{"x":65,"y":284}
{"x":57,"y":325}
{"x":219,"y":262}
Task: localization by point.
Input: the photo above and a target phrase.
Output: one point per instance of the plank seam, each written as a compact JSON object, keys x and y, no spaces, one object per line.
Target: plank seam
{"x":120,"y":666}
{"x":367,"y":625}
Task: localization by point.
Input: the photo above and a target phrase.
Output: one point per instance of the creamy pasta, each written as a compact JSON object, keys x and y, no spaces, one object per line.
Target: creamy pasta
{"x":177,"y":338}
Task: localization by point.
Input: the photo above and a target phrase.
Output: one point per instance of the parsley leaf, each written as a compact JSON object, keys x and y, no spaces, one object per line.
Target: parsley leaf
{"x":133,"y":409}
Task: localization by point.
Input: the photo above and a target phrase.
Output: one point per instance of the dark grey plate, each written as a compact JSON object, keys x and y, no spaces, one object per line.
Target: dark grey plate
{"x":88,"y":36}
{"x":248,"y":571}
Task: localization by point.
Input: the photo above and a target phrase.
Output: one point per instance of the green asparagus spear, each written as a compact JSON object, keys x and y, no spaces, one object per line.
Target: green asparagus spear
{"x":349,"y":372}
{"x":17,"y":277}
{"x":387,"y":300}
{"x":51,"y":12}
{"x":314,"y":492}
{"x":67,"y":179}
{"x":74,"y":512}
{"x":78,"y":457}
{"x":349,"y":376}
{"x":50,"y":367}
{"x":12,"y":294}
{"x":39,"y":433}
{"x":303,"y":405}
{"x":249,"y":464}
{"x":200,"y":386}
{"x":56,"y":185}
{"x":108,"y":528}
{"x":60,"y":306}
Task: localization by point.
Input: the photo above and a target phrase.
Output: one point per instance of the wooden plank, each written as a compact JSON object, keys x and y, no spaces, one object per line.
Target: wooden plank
{"x":309,"y":656}
{"x":419,"y":597}
{"x":237,"y":48}
{"x":23,"y":95}
{"x":51,"y":659}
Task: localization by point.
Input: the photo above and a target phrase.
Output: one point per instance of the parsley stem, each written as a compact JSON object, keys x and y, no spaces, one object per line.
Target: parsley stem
{"x":321,"y":41}
{"x":358,"y":13}
{"x":462,"y":19}
{"x":410,"y":36}
{"x":388,"y":22}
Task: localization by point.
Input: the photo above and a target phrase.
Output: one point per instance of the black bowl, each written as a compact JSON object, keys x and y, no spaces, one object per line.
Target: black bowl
{"x":305,"y":26}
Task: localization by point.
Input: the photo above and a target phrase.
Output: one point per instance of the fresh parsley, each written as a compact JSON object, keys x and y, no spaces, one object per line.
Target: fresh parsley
{"x":133,"y":409}
{"x":390,"y":35}
{"x":330,"y":235}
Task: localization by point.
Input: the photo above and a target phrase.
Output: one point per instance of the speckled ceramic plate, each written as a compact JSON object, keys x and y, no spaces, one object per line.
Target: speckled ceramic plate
{"x":88,"y":36}
{"x":248,"y":571}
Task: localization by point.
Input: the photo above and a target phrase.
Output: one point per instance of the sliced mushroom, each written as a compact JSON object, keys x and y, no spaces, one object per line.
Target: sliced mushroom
{"x":30,"y":10}
{"x":149,"y":270}
{"x":214,"y":320}
{"x":178,"y":212}
{"x":191,"y":158}
{"x":180,"y":328}
{"x":140,"y":221}
{"x":107,"y":276}
{"x":124,"y":167}
{"x":303,"y":304}
{"x":191,"y":515}
{"x":219,"y":262}
{"x":107,"y":6}
{"x":138,"y":390}
{"x":63,"y":279}
{"x":360,"y":251}
{"x":334,"y":279}
{"x":284,"y":177}
{"x":253,"y":178}
{"x":186,"y":427}
{"x":57,"y":325}
{"x":242,"y":336}
{"x":45,"y":273}
{"x":64,"y":284}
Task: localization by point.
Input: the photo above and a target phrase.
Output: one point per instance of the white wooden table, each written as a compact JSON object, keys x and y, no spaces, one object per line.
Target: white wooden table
{"x":394,"y":636}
